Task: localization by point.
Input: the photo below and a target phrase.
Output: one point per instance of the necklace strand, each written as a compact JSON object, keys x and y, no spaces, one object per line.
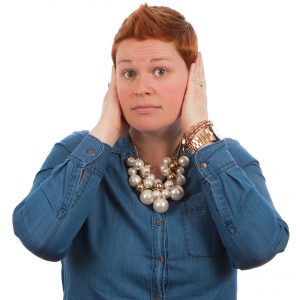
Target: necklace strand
{"x":155,"y":191}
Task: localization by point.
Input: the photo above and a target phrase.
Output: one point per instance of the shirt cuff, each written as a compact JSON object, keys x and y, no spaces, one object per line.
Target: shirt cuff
{"x":92,"y":152}
{"x":214,"y":159}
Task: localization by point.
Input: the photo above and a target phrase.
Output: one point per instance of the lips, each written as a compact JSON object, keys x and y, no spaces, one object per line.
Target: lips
{"x":145,"y":108}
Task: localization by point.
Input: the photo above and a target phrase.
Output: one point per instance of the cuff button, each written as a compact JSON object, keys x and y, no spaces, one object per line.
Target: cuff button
{"x":90,"y":152}
{"x":203,"y":165}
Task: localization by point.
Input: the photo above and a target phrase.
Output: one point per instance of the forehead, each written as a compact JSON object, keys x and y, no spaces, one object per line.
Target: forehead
{"x":132,"y":50}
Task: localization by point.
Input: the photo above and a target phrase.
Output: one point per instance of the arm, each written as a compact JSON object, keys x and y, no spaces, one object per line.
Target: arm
{"x":249,"y":226}
{"x":49,"y":218}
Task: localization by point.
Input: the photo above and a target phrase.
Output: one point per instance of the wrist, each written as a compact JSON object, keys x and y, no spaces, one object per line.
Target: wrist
{"x":105,"y":134}
{"x":199,"y":136}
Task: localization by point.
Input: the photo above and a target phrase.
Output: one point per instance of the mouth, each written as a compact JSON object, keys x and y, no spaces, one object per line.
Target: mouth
{"x":145,"y":108}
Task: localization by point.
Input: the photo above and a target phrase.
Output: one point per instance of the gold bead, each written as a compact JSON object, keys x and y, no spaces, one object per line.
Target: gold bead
{"x":172,"y":177}
{"x":159,"y":186}
{"x":157,"y":180}
{"x":173,"y":165}
{"x":140,"y":187}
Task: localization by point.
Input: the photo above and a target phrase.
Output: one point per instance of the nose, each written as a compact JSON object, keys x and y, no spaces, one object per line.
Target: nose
{"x":143,"y":85}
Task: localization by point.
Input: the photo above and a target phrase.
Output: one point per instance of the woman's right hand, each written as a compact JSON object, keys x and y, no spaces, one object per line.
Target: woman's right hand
{"x":112,"y":124}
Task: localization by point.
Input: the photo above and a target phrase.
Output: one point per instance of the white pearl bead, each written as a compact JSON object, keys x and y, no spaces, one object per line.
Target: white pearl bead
{"x":180,"y":170}
{"x":156,"y":194}
{"x":130,"y":161}
{"x":160,"y":205}
{"x":145,"y":171}
{"x":165,"y":193}
{"x":138,"y":164}
{"x":180,"y":180}
{"x":131,"y":171}
{"x":151,"y":176}
{"x":166,"y":172}
{"x":166,"y":160}
{"x":183,"y":161}
{"x":163,"y":167}
{"x":148,"y":183}
{"x":134,"y":180}
{"x":169,"y":184}
{"x":176,"y":193}
{"x":146,"y":197}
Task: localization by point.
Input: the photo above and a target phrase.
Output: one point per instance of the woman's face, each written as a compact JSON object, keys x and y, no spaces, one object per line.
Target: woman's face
{"x":151,"y":79}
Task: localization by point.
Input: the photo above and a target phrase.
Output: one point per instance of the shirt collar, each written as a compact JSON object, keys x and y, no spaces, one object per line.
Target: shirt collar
{"x":124,"y":147}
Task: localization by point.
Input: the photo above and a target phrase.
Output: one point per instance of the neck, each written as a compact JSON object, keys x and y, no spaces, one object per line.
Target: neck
{"x":154,"y":146}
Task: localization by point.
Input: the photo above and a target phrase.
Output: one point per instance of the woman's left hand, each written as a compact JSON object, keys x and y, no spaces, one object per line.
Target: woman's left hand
{"x":194,"y":107}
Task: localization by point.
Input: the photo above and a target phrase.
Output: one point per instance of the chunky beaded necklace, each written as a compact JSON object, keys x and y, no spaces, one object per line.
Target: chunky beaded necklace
{"x":155,"y":191}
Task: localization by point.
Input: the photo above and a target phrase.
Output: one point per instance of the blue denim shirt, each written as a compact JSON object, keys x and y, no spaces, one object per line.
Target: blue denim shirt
{"x":82,"y":211}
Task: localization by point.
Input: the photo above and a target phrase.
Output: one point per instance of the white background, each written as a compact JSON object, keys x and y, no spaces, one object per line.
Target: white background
{"x":54,"y":69}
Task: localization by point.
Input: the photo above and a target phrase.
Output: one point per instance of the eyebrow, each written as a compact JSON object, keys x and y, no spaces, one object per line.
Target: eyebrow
{"x":152,"y":60}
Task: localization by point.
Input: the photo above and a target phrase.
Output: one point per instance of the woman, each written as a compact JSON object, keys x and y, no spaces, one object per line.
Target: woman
{"x":176,"y":229}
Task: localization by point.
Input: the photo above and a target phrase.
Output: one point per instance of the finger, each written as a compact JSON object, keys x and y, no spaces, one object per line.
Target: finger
{"x":200,"y":66}
{"x":113,"y":76}
{"x":196,"y":77}
{"x":112,"y":83}
{"x":193,"y":71}
{"x":198,"y":58}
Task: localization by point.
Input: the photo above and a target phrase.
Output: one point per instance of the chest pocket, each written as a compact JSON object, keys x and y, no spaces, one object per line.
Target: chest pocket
{"x":201,"y":236}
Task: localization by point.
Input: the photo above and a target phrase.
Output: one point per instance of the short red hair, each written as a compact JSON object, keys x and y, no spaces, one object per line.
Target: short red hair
{"x":162,"y":23}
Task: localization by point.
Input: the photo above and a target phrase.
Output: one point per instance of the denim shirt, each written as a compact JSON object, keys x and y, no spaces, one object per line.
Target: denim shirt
{"x":82,"y":211}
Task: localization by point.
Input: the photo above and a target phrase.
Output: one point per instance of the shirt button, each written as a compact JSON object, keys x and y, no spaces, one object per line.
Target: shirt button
{"x":203,"y":165}
{"x":161,"y":260}
{"x":90,"y":152}
{"x":159,"y":222}
{"x":157,"y":297}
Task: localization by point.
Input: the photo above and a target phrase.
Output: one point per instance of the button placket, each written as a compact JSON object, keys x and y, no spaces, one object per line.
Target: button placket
{"x":161,"y":260}
{"x":160,"y":263}
{"x":159,"y":222}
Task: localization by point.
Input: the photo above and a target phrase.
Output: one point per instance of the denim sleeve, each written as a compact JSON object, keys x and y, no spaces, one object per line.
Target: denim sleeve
{"x":49,"y":218}
{"x":249,"y":226}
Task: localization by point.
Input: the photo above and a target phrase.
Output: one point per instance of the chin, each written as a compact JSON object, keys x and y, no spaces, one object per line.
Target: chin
{"x":151,"y":127}
{"x":146,"y":129}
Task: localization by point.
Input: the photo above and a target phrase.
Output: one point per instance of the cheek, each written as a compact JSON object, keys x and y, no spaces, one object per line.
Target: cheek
{"x":122,"y":96}
{"x":175,"y":91}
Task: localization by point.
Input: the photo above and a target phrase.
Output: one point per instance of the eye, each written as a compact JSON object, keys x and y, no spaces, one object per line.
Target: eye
{"x":129,"y":74}
{"x":160,"y":72}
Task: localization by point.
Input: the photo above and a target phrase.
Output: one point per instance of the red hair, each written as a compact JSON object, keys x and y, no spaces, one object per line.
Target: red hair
{"x":162,"y":23}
